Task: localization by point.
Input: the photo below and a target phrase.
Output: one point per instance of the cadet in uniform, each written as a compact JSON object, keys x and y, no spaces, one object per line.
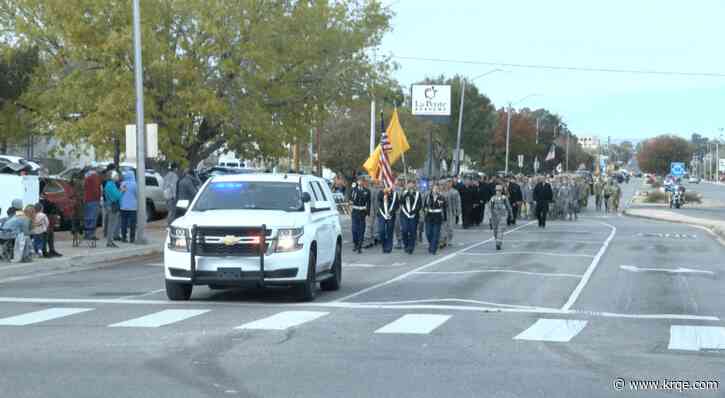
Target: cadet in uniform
{"x":542,"y":196}
{"x":616,"y":196}
{"x":399,"y":188}
{"x":467,"y":202}
{"x":360,"y":198}
{"x":453,"y":199}
{"x":500,"y":214}
{"x":388,"y":204}
{"x":435,"y":215}
{"x":515,"y":198}
{"x":410,"y":206}
{"x":373,"y":230}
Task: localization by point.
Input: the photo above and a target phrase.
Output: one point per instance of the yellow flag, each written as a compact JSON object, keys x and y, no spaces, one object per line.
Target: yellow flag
{"x":398,"y":142}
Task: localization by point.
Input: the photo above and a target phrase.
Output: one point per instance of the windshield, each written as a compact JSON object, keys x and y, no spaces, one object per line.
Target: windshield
{"x":284,"y":196}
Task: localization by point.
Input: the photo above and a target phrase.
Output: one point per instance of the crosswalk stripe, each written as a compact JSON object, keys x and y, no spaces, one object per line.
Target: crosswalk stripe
{"x":160,"y":318}
{"x":41,"y":316}
{"x":555,"y":330}
{"x":414,"y":324}
{"x":283,"y":320}
{"x":696,"y":338}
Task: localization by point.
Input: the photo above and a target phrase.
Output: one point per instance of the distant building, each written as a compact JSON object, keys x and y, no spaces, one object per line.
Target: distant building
{"x":589,"y":143}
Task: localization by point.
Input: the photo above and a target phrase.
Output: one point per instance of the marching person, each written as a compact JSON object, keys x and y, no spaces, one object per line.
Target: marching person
{"x":360,"y":198}
{"x":467,"y":202}
{"x":543,"y":194}
{"x":435,"y":214}
{"x":500,"y":211}
{"x":607,"y":192}
{"x":453,"y":198}
{"x":486,"y":191}
{"x":399,"y":189}
{"x":410,"y":206}
{"x":616,"y":196}
{"x":373,"y":233}
{"x":598,"y":193}
{"x":387,"y":208}
{"x":515,"y":197}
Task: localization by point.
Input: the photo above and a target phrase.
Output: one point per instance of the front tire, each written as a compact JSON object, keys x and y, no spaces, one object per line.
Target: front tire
{"x":333,"y":283}
{"x":177,"y":291}
{"x":307,"y":288}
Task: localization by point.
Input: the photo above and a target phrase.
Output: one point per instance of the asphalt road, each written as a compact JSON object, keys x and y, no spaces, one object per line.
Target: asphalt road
{"x":561,"y":312}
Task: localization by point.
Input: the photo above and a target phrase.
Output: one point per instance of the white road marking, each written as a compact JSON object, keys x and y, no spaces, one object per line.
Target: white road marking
{"x":142,"y":294}
{"x":414,"y":324}
{"x":594,"y":242}
{"x":590,"y":270}
{"x":696,"y":338}
{"x":445,"y":300}
{"x":41,"y":316}
{"x":498,"y":270}
{"x":428,"y":265}
{"x":158,"y":319}
{"x":508,"y":253}
{"x":679,"y":270}
{"x":554,"y":330}
{"x":284,"y":320}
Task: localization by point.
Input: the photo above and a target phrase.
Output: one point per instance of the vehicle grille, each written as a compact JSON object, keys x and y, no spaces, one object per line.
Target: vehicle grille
{"x":210,"y":241}
{"x":216,"y":249}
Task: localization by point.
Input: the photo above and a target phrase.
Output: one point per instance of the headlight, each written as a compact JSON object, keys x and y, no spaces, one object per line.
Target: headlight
{"x":289,"y":240}
{"x":179,"y":239}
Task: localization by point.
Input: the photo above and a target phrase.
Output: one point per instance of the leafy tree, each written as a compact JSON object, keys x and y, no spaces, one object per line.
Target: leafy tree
{"x":656,"y":154}
{"x":16,"y":68}
{"x":241,"y":75}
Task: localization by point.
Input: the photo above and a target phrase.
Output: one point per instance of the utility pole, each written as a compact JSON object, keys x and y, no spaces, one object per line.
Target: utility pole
{"x":568,"y":134}
{"x":508,"y":135}
{"x":317,"y":144}
{"x":537,"y":131}
{"x":457,"y":155}
{"x":140,"y":128}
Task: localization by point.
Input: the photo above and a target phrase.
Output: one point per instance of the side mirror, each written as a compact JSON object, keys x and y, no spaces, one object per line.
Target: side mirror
{"x":182,"y":204}
{"x":306,"y":198}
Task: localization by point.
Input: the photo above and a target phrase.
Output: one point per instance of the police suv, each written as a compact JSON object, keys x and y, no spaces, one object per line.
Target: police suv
{"x":256,"y":230}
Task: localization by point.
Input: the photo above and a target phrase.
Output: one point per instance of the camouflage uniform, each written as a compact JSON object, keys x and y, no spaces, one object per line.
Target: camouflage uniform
{"x":598,"y":193}
{"x":500,"y":210}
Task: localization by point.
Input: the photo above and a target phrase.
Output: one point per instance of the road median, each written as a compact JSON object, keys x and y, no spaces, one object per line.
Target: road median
{"x":716,"y":227}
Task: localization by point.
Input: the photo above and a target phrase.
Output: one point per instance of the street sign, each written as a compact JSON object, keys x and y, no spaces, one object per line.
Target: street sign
{"x":521,"y":161}
{"x":677,"y":169}
{"x":152,"y":141}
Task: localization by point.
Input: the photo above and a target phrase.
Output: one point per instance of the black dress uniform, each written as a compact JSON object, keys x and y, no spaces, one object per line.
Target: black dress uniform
{"x":543,"y":194}
{"x":468,"y":197}
{"x":388,"y":205}
{"x":410,"y":206}
{"x":360,"y":198}
{"x":515,"y":198}
{"x":435,"y":214}
{"x":486,"y":192}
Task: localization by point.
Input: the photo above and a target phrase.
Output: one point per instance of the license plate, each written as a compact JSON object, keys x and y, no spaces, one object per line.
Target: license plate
{"x":229,"y":273}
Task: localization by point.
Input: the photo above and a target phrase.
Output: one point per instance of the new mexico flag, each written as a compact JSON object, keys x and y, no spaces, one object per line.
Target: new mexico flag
{"x":398,"y":141}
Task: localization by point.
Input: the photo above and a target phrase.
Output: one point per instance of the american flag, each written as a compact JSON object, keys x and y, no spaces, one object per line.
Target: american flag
{"x":385,"y":170}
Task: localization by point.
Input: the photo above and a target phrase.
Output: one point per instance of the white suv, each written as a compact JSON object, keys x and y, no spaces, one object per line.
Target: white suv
{"x":256,"y":230}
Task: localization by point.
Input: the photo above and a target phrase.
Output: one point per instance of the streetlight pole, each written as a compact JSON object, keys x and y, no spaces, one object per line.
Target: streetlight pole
{"x":457,"y":155}
{"x":140,"y":127}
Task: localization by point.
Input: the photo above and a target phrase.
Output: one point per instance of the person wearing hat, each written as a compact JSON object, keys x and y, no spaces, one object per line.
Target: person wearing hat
{"x":543,"y":194}
{"x":435,"y":215}
{"x":411,"y":204}
{"x":468,"y":197}
{"x":500,"y":214}
{"x":453,"y":198}
{"x":360,"y":198}
{"x":388,"y":204}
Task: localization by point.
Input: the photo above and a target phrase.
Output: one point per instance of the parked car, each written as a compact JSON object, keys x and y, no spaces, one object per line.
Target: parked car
{"x":35,"y":167}
{"x":693,"y":180}
{"x":60,"y":193}
{"x":155,"y":201}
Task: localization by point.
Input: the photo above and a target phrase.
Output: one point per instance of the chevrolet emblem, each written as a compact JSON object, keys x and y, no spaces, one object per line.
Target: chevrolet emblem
{"x":230,"y":240}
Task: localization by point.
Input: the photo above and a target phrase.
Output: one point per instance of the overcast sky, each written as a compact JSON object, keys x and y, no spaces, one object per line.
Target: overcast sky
{"x":664,"y":35}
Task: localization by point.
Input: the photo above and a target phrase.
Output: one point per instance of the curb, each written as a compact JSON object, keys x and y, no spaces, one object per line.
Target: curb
{"x":76,"y":262}
{"x":717,"y":232}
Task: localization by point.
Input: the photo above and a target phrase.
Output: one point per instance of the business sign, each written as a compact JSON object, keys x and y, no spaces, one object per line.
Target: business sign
{"x":721,"y":166}
{"x":431,"y":100}
{"x":677,"y":169}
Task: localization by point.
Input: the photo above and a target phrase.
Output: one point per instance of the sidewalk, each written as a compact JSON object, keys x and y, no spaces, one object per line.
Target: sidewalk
{"x":717,"y":227}
{"x":85,"y":256}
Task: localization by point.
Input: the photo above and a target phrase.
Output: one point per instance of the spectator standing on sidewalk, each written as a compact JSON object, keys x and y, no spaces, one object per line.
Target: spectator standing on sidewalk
{"x":187,"y":186}
{"x":78,"y":205}
{"x":113,"y":196}
{"x":106,"y":176}
{"x":171,"y":180}
{"x":129,"y":207}
{"x":91,"y":198}
{"x":19,"y":225}
{"x":39,"y":230}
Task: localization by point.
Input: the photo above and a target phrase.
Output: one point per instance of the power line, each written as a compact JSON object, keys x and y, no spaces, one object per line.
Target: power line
{"x":565,"y":68}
